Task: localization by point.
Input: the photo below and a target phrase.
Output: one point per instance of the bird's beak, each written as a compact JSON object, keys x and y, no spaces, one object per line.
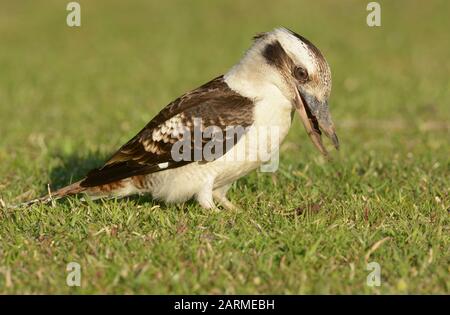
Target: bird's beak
{"x":315,"y":116}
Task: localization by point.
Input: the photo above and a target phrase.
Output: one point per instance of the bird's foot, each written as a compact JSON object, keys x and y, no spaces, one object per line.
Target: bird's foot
{"x":205,"y":199}
{"x":209,"y":205}
{"x":223,"y":201}
{"x":228,"y":205}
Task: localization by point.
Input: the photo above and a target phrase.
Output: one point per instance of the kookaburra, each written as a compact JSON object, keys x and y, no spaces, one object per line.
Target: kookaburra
{"x":282,"y":72}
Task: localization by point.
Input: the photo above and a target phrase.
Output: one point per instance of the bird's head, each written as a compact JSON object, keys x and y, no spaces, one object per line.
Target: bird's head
{"x":302,"y":74}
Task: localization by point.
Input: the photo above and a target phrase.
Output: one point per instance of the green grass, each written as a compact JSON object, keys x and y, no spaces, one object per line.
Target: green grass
{"x":69,"y":97}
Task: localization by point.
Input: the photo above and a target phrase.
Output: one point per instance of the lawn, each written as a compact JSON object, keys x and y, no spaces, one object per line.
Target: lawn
{"x":69,"y":97}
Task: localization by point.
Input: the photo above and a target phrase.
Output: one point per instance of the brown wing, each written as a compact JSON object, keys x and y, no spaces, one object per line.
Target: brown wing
{"x":212,"y":104}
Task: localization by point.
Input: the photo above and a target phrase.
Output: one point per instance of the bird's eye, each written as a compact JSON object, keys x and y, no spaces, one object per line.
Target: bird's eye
{"x":301,"y":74}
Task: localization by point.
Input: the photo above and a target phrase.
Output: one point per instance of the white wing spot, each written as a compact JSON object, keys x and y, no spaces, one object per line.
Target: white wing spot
{"x":163,"y":165}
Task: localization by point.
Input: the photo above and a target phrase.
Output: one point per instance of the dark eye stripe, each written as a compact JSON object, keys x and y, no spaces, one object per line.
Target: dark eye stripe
{"x":275,"y":55}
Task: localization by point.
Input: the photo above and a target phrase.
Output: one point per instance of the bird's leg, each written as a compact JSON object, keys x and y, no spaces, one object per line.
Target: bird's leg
{"x":220,"y":195}
{"x":205,"y":196}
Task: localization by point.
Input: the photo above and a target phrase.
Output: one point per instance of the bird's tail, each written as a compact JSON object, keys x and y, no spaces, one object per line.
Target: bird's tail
{"x":117,"y":189}
{"x":69,"y":190}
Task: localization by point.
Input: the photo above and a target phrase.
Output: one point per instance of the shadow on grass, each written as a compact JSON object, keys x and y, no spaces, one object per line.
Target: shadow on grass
{"x":74,"y":167}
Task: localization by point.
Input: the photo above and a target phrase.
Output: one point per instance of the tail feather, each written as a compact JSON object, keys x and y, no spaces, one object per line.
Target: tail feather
{"x":72,"y":189}
{"x":119,"y":189}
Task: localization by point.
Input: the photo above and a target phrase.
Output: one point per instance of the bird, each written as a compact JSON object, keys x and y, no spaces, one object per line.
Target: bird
{"x":281,"y":73}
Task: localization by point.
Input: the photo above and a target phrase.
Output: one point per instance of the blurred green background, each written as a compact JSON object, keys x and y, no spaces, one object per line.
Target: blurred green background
{"x":70,"y":96}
